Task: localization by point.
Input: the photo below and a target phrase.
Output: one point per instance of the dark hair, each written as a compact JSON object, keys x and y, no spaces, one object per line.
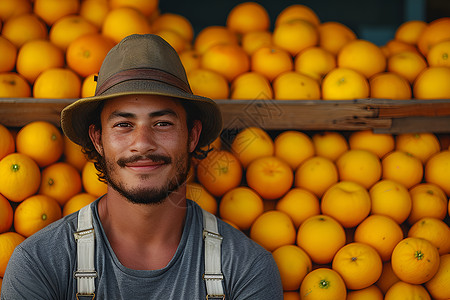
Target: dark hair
{"x":92,"y":155}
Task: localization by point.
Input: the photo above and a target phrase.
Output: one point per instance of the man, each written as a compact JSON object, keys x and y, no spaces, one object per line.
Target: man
{"x":143,"y":239}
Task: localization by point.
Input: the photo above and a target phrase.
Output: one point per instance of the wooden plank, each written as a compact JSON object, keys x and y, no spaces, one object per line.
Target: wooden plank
{"x":439,"y":124}
{"x":408,"y":108}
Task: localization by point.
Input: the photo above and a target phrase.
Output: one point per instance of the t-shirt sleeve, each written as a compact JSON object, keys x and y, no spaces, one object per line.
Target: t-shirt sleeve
{"x":24,"y":280}
{"x":262,"y":280}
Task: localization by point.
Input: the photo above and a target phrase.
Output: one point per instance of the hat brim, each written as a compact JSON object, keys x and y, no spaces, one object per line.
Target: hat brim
{"x":77,"y":117}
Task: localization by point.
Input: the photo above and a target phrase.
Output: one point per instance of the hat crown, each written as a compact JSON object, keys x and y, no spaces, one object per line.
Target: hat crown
{"x":140,"y":52}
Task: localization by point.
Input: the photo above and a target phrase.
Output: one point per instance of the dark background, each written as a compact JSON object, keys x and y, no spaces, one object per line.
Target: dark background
{"x":375,"y":21}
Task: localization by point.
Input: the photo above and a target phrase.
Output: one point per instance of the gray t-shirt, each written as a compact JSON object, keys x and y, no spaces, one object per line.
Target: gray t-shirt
{"x":42,"y":267}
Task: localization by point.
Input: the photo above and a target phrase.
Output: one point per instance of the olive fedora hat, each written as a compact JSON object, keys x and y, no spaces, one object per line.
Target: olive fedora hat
{"x":140,"y":65}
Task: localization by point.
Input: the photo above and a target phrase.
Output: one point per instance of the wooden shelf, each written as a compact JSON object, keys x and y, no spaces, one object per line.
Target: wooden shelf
{"x":384,"y":116}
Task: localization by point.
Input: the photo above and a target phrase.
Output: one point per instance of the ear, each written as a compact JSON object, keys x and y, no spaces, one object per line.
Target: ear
{"x":194,"y":135}
{"x":95,"y":135}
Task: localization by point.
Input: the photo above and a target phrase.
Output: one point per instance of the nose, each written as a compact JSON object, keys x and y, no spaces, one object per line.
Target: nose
{"x":143,"y":140}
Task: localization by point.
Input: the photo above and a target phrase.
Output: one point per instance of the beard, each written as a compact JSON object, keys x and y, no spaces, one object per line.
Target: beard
{"x":148,"y":195}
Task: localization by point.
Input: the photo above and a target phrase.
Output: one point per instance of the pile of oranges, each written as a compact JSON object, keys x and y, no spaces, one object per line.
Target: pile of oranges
{"x":361,"y":215}
{"x":53,"y":49}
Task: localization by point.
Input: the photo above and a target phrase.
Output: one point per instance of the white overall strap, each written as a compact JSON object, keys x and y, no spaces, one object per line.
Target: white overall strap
{"x":213,"y":272}
{"x":85,"y":237}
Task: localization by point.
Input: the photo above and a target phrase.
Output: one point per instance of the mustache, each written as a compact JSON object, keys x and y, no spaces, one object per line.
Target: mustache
{"x":153,"y":157}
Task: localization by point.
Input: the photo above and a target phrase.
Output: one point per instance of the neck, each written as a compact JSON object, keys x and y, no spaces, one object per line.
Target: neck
{"x":143,"y":230}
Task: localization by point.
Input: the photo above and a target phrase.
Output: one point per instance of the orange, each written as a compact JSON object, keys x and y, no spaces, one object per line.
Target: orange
{"x":60,"y":181}
{"x":435,"y":32}
{"x":271,"y":62}
{"x":73,"y":154}
{"x":146,"y":7}
{"x":42,"y":141}
{"x":94,"y":11}
{"x":431,"y":83}
{"x":248,"y":16}
{"x":359,"y":265}
{"x":174,"y":39}
{"x":20,"y":175}
{"x":6,"y":214}
{"x":219,"y":172}
{"x":9,"y":55}
{"x":34,"y":213}
{"x":251,"y":86}
{"x":293,"y":147}
{"x":410,"y":31}
{"x":321,"y":284}
{"x":438,"y":56}
{"x":201,"y":196}
{"x":434,"y":230}
{"x":213,"y":35}
{"x":7,"y":143}
{"x":293,"y":264}
{"x":344,"y":84}
{"x":253,"y":40}
{"x":57,"y":83}
{"x":395,"y":46}
{"x":91,"y":182}
{"x":330,"y":144}
{"x":334,"y":35}
{"x":392,"y":199}
{"x":8,"y":242}
{"x":404,"y":290}
{"x":362,"y":56}
{"x":297,"y":11}
{"x":389,"y":85}
{"x":360,"y":166}
{"x":77,"y":202}
{"x":69,"y":28}
{"x":316,"y":174}
{"x":190,"y":59}
{"x":428,"y":200}
{"x":14,"y":85}
{"x":52,"y":10}
{"x":346,"y":201}
{"x":295,"y":35}
{"x":287,"y":295}
{"x":273,"y":229}
{"x":315,"y":62}
{"x":10,"y":8}
{"x":85,"y":54}
{"x":421,"y":145}
{"x":36,"y":56}
{"x":407,"y":64}
{"x":208,"y":83}
{"x":321,"y":236}
{"x":415,"y":260}
{"x":381,"y":232}
{"x":88,"y":86}
{"x":270,"y":176}
{"x":175,"y":22}
{"x":387,"y":277}
{"x":230,"y":60}
{"x":379,"y":143}
{"x":123,"y":21}
{"x":24,"y":28}
{"x":402,"y":167}
{"x":241,"y":206}
{"x":371,"y":292}
{"x":299,"y":204}
{"x":292,"y":85}
{"x":439,"y":285}
{"x":251,"y":143}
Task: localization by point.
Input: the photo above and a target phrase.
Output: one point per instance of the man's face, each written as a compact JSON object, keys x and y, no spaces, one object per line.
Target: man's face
{"x":145,"y":146}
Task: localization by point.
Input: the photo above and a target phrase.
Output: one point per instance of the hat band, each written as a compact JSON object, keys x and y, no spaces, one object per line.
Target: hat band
{"x":143,"y":74}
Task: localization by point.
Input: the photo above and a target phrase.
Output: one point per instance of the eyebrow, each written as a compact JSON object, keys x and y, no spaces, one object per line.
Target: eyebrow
{"x":128,"y":115}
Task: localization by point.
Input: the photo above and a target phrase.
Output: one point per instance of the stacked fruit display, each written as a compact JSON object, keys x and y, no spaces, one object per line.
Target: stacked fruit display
{"x":356,"y":214}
